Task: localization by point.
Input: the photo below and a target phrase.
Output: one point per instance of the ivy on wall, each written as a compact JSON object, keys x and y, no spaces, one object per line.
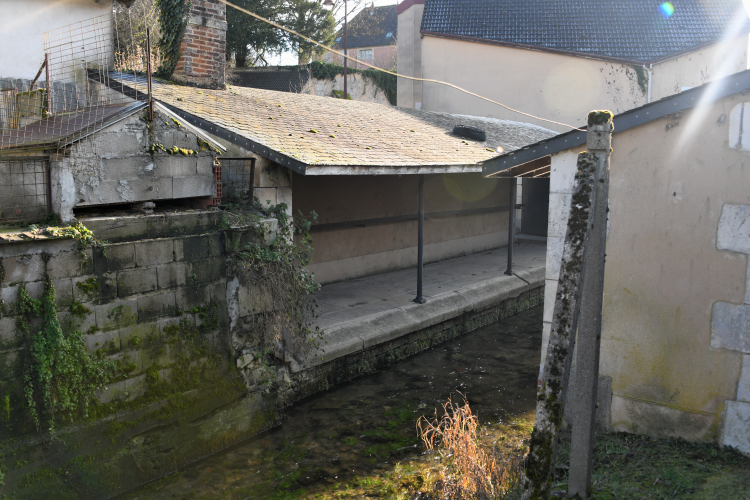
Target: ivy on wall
{"x":173,"y":17}
{"x":60,"y":377}
{"x":384,"y":81}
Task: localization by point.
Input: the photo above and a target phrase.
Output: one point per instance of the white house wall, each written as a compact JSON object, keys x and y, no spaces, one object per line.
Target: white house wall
{"x":24,"y":23}
{"x":699,"y":67}
{"x":557,"y":87}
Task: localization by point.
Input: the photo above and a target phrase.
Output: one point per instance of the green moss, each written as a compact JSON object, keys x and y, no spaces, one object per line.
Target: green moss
{"x":599,"y":117}
{"x":79,"y":310}
{"x":156,"y":147}
{"x":88,"y":286}
{"x":642,"y":77}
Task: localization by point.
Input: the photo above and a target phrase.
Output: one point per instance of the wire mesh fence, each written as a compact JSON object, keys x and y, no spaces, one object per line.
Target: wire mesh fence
{"x":71,"y":95}
{"x":237,"y":179}
{"x":23,"y":189}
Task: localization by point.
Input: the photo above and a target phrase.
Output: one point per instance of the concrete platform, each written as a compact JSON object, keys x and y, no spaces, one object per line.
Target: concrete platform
{"x":359,"y":314}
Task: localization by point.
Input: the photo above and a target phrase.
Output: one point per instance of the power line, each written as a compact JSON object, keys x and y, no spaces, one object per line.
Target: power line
{"x":429,"y":80}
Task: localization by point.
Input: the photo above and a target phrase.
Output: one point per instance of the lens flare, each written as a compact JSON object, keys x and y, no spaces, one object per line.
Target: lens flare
{"x":667,"y":9}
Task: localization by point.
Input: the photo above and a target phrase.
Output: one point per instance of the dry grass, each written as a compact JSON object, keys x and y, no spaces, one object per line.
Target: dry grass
{"x":476,"y":466}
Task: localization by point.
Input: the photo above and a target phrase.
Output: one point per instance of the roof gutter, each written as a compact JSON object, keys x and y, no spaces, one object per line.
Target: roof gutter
{"x":683,"y":101}
{"x":650,"y":69}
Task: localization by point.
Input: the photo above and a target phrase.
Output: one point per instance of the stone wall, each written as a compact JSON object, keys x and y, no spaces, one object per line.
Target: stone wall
{"x":359,"y":88}
{"x":161,"y":303}
{"x":132,"y":161}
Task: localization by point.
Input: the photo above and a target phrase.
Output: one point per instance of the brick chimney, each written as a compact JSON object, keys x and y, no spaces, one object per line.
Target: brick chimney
{"x":204,"y":46}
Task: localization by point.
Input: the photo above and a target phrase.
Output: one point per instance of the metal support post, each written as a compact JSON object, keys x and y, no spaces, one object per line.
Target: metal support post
{"x":420,"y":242}
{"x":148,"y":76}
{"x":511,"y":224}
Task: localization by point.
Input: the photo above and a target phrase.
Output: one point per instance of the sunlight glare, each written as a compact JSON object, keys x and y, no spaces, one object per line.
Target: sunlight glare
{"x":667,"y":9}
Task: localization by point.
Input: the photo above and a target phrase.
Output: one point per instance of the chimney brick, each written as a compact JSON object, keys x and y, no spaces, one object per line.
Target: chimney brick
{"x":203,"y":47}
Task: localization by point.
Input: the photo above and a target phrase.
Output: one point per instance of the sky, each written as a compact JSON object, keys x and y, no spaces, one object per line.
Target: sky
{"x":290,"y":58}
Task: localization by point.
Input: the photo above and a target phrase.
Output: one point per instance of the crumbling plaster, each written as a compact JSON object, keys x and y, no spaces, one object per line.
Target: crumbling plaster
{"x":115,"y":165}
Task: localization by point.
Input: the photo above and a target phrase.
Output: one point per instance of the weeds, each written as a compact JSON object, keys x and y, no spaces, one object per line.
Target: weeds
{"x":475,"y":466}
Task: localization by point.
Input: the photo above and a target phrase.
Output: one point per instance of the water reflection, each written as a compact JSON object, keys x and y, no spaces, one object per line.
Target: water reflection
{"x":359,"y":439}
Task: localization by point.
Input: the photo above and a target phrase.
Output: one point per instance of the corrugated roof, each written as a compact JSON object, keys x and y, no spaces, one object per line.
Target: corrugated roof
{"x":322,"y":135}
{"x":632,"y":30}
{"x":370,"y":28}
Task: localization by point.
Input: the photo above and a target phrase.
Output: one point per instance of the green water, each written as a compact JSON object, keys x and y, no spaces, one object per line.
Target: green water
{"x":359,"y":440}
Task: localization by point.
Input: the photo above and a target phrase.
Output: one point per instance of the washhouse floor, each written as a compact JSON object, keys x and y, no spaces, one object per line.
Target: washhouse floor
{"x":355,"y":299}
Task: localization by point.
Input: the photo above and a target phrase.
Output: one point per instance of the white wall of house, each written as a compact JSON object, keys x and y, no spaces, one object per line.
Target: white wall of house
{"x":701,"y":66}
{"x":410,"y":56}
{"x":676,"y":318}
{"x":24,"y":23}
{"x":557,"y":87}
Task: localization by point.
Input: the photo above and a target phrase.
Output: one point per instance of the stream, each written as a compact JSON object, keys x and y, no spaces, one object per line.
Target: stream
{"x":359,"y":440}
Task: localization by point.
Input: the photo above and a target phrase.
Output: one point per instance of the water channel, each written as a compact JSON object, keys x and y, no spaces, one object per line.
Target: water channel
{"x":359,"y":440}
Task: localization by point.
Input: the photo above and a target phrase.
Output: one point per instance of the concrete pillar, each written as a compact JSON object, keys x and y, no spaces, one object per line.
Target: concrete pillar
{"x":577,"y":259}
{"x":588,"y":340}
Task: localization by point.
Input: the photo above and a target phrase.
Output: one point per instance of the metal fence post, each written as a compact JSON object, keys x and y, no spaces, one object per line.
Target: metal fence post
{"x":420,"y":242}
{"x":511,"y":224}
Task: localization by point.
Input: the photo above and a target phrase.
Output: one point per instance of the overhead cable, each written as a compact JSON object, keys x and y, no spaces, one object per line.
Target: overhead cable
{"x":362,"y":63}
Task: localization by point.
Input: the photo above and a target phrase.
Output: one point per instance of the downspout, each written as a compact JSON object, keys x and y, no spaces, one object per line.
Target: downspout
{"x":650,"y":69}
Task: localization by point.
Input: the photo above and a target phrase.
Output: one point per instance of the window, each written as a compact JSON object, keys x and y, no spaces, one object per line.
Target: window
{"x":365,"y":54}
{"x":389,"y":34}
{"x":337,"y":40}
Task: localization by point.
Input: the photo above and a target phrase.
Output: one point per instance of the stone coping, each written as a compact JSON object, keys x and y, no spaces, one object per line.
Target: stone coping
{"x":368,"y":331}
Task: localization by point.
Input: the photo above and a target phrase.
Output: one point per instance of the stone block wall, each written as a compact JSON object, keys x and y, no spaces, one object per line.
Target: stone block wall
{"x":164,"y":310}
{"x":730,"y":326}
{"x":132,"y":161}
{"x":203,"y":48}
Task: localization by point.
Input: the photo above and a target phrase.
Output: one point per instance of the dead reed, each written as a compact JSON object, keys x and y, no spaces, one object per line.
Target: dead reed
{"x":476,"y":465}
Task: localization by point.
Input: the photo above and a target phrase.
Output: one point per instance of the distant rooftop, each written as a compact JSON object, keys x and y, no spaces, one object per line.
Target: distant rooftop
{"x":321,"y":135}
{"x":630,"y":30}
{"x":371,"y":27}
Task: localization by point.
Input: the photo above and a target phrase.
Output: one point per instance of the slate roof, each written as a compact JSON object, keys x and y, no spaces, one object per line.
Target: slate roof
{"x":281,"y":80}
{"x":370,"y":27}
{"x":630,"y":30}
{"x":321,"y":135}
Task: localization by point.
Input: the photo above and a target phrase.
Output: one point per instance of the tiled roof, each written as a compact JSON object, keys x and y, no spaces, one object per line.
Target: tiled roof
{"x":370,"y":28}
{"x":308,"y":133}
{"x":634,"y":30}
{"x":281,"y":80}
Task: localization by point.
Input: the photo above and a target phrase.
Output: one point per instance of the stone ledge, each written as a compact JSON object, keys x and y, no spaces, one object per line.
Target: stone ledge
{"x":369,"y":331}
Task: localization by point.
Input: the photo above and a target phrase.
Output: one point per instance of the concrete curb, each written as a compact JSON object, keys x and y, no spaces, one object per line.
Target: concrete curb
{"x":369,"y":331}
